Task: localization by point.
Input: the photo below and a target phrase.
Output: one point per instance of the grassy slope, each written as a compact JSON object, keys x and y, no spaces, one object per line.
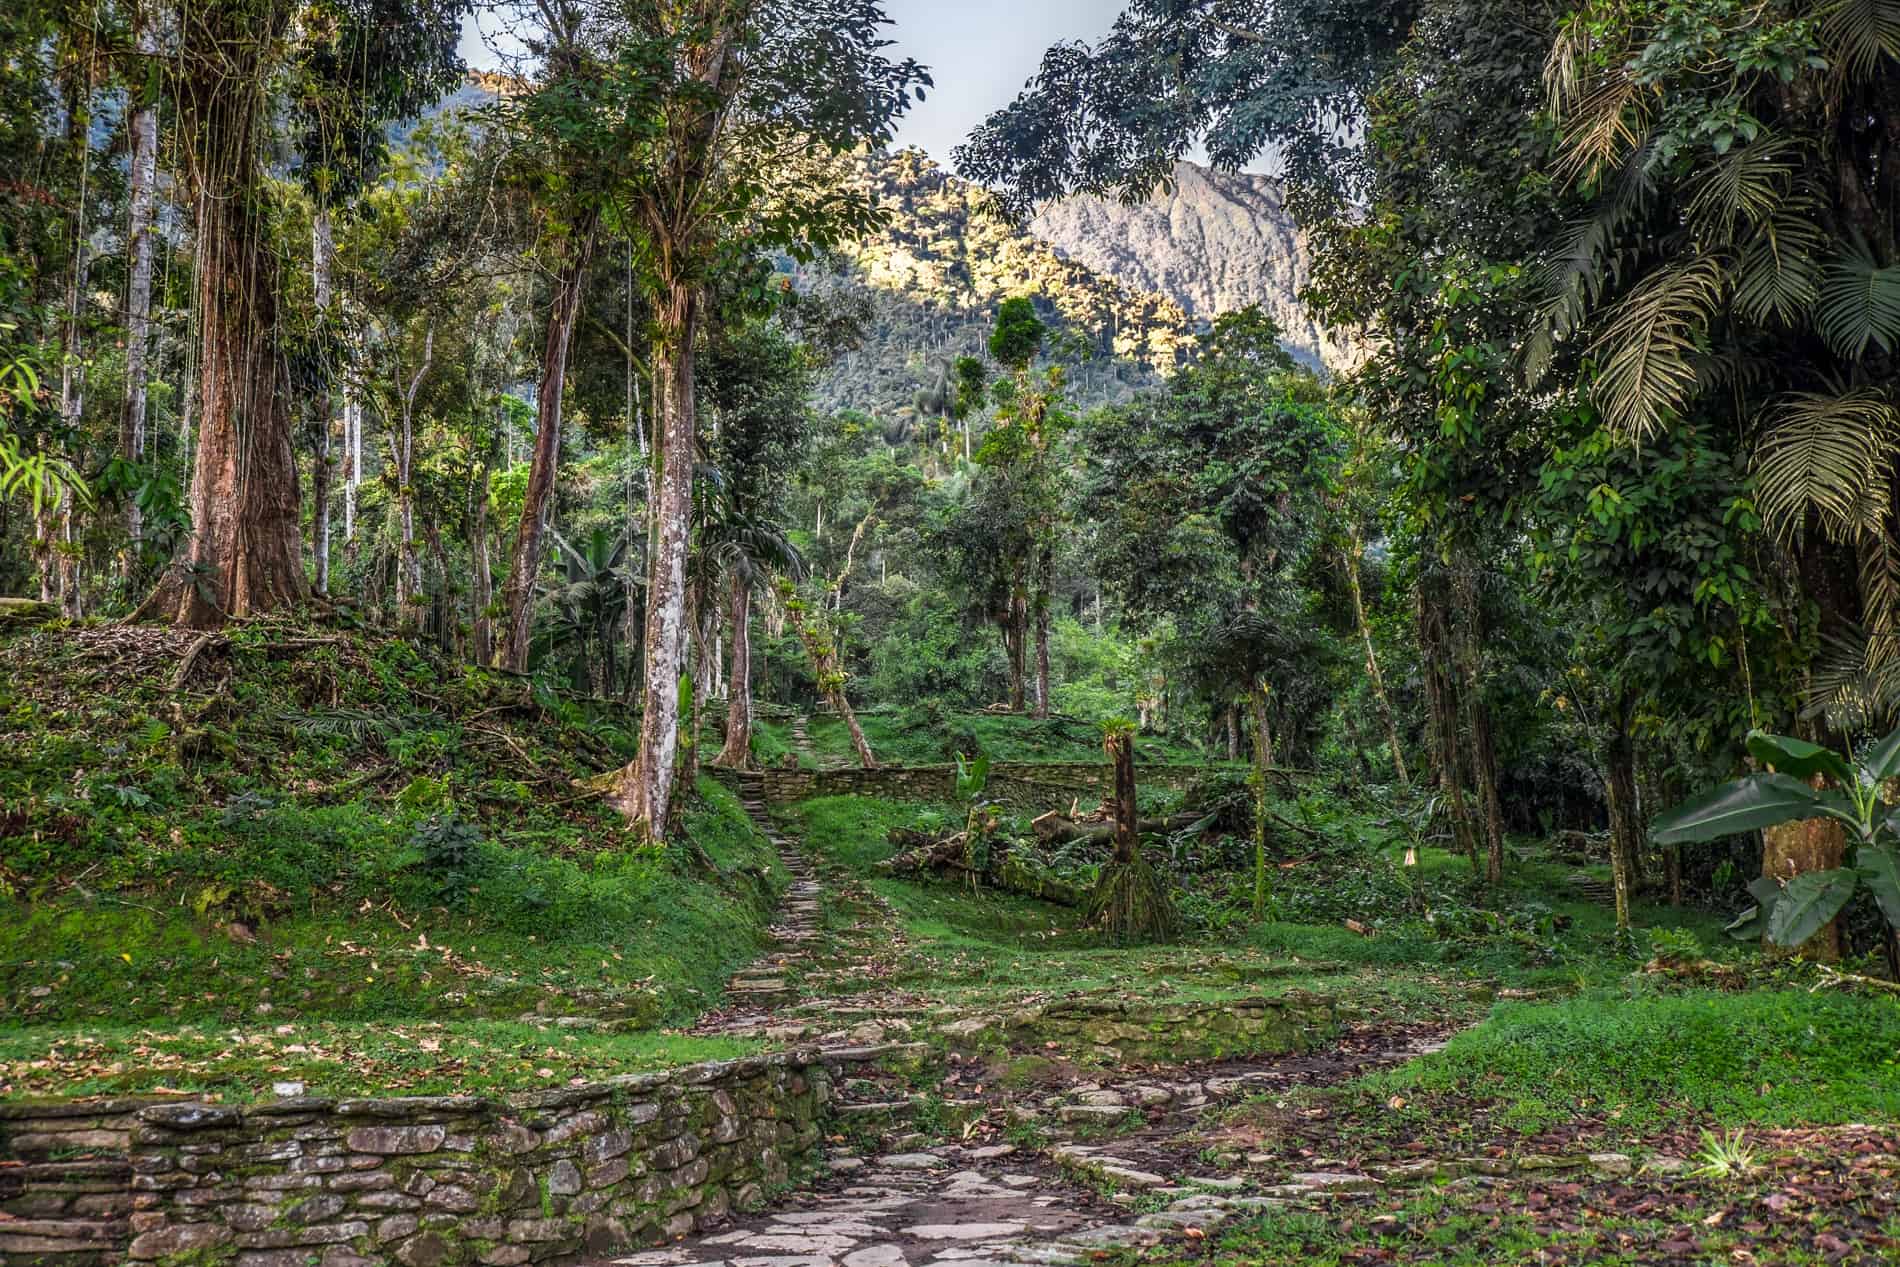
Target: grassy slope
{"x":1631,"y":1051}
{"x":267,"y":849}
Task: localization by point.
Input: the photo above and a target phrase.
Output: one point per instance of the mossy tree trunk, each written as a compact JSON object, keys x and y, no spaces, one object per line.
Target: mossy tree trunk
{"x":524,"y":566}
{"x":737,"y":752}
{"x":246,"y":552}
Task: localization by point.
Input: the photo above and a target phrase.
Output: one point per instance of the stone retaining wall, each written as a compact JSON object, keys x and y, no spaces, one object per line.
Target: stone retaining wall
{"x":432,"y":1181}
{"x":1023,"y":785}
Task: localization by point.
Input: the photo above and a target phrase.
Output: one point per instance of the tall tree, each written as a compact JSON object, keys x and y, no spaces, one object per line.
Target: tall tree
{"x":760,"y":98}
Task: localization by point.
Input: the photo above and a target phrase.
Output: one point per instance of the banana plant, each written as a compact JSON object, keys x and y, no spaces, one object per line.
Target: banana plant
{"x":1789,"y":914}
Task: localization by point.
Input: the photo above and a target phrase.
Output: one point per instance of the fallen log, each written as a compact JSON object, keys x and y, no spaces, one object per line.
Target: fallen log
{"x":1055,"y":829}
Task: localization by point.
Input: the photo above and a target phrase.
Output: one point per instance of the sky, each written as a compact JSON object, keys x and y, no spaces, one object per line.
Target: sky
{"x":980,"y":53}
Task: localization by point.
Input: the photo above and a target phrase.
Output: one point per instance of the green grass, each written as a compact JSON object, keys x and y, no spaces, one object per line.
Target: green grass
{"x":634,"y":936}
{"x":1757,"y":1058}
{"x":330,"y":1058}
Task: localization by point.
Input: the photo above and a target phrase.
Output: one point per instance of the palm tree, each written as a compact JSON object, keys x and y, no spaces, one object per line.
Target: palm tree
{"x":590,"y":603}
{"x":745,"y":549}
{"x":1741,"y":263}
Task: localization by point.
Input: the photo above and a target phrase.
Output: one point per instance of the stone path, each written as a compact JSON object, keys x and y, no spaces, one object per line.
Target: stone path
{"x":773,"y":978}
{"x":893,"y":1195}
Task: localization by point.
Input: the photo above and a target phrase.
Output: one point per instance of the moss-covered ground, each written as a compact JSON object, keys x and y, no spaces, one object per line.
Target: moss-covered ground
{"x":317,"y":848}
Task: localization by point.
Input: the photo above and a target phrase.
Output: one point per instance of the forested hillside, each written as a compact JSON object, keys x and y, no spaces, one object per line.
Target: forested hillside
{"x":935,"y":277}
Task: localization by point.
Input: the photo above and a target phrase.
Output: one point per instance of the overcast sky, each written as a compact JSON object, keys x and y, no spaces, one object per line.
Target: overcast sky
{"x":980,"y":53}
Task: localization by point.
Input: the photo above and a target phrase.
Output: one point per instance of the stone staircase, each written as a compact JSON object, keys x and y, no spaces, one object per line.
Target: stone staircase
{"x":770,"y":981}
{"x":66,"y":1196}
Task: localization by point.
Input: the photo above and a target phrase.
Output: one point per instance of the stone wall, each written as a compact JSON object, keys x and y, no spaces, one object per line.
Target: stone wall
{"x":1023,"y":785}
{"x":432,"y":1181}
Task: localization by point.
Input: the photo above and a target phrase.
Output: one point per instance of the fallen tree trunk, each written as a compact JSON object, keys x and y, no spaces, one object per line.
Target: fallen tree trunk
{"x":1006,"y":871}
{"x":1055,"y":829}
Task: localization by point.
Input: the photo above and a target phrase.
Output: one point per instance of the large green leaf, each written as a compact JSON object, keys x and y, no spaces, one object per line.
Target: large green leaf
{"x":1788,"y":755}
{"x":1880,"y":871}
{"x":1760,"y":800}
{"x":1808,"y":902}
{"x":1747,"y":926}
{"x":1882,"y":760}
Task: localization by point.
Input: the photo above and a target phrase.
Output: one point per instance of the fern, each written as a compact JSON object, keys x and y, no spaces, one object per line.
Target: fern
{"x":1858,"y":307}
{"x":1646,"y":352}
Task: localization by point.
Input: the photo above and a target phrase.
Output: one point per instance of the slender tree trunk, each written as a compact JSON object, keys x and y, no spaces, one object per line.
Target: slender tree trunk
{"x":322,"y":253}
{"x":1042,"y":654}
{"x":1441,"y":693}
{"x":822,"y":649}
{"x":1374,"y":677}
{"x":409,"y":561}
{"x":1121,"y":755}
{"x":1018,"y":639}
{"x":525,"y":565}
{"x":1233,"y":732}
{"x":143,"y":127}
{"x":481,"y":628}
{"x":72,"y":371}
{"x":1263,"y":765}
{"x":647,"y":783}
{"x":353,"y":465}
{"x":1619,"y":785}
{"x":1467,"y":642}
{"x":737,"y":753}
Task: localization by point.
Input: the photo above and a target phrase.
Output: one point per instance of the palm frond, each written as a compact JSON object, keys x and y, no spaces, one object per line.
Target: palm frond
{"x":1880,"y":596}
{"x":1744,"y":186}
{"x":1647,"y":351}
{"x":1853,"y":686}
{"x":1778,"y":279}
{"x":1858,"y":307}
{"x":1605,"y":122}
{"x":1830,"y":456}
{"x":1858,"y":34}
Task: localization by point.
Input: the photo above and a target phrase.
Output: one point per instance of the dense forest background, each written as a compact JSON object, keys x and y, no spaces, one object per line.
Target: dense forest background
{"x":651,"y":374}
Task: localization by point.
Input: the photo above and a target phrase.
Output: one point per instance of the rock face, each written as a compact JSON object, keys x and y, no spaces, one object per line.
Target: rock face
{"x":1214,"y":243}
{"x":932,"y":281}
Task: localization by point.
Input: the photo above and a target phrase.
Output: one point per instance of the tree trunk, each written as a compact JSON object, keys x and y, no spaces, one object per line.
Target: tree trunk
{"x":352,"y":465}
{"x":1042,"y":655}
{"x":737,"y":752}
{"x":1233,"y":732}
{"x":525,"y":564}
{"x":246,"y":553}
{"x":1121,"y":754}
{"x":322,"y":252}
{"x":1441,"y":694}
{"x":1467,"y":644}
{"x":481,"y":628}
{"x":1619,"y":786}
{"x":143,"y":127}
{"x":822,"y":648}
{"x":1017,"y":640}
{"x":1263,"y":763}
{"x":1374,"y":677}
{"x":408,"y":561}
{"x":66,"y":553}
{"x":1791,"y":849}
{"x":647,"y":783}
